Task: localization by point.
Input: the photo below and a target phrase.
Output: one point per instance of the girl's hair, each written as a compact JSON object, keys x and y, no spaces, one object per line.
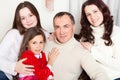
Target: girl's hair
{"x":29,"y":35}
{"x":17,"y":21}
{"x":86,"y":31}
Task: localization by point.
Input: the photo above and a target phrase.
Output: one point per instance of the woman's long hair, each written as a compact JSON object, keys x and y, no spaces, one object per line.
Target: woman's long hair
{"x":17,"y":21}
{"x":86,"y":32}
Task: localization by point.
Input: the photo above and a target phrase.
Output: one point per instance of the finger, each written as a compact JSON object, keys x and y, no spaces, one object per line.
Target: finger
{"x":55,"y":50}
{"x":29,"y":66}
{"x":29,"y":70}
{"x":52,"y":51}
{"x":22,"y":60}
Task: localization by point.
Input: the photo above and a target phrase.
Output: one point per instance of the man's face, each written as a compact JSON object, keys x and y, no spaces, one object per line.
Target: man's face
{"x":63,"y":28}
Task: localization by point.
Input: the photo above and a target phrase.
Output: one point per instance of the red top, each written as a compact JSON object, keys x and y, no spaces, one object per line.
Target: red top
{"x":40,"y":64}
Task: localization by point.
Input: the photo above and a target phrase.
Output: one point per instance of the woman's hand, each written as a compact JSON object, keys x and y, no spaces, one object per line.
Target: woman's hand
{"x":22,"y":68}
{"x":87,"y":45}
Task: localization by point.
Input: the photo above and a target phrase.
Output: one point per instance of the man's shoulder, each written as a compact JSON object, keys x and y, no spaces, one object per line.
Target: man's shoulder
{"x":79,"y":48}
{"x":49,"y":45}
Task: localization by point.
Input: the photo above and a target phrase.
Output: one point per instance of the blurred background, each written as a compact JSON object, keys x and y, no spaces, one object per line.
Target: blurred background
{"x":47,"y":9}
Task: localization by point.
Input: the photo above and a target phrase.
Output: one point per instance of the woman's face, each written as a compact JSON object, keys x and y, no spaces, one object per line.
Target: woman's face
{"x":94,"y":15}
{"x":28,"y":19}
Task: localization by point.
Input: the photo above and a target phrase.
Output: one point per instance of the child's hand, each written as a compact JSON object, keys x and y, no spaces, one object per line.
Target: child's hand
{"x":52,"y":56}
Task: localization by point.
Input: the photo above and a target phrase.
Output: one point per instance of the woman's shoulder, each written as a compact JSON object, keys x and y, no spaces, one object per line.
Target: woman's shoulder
{"x":13,"y":31}
{"x":13,"y":34}
{"x":116,"y":29}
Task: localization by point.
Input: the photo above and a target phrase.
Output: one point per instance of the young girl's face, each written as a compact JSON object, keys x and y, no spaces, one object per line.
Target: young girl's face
{"x":28,"y":19}
{"x":94,"y":15}
{"x":36,"y":44}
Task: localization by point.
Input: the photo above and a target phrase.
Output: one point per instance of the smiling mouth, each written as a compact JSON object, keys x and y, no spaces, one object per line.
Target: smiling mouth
{"x":37,"y":50}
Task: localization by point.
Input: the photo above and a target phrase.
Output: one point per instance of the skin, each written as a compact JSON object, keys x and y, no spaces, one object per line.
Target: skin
{"x":63,"y":28}
{"x":94,"y":15}
{"x":36,"y":45}
{"x":27,"y":18}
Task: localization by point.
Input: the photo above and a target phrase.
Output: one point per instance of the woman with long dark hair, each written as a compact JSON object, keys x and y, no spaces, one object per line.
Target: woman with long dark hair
{"x":100,"y":36}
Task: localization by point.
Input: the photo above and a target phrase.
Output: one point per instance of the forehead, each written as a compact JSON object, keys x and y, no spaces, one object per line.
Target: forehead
{"x":90,"y":8}
{"x":62,"y":19}
{"x":37,"y":37}
{"x":24,"y":11}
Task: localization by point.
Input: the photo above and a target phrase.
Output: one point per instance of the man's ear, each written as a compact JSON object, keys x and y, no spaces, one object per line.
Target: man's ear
{"x":74,"y":28}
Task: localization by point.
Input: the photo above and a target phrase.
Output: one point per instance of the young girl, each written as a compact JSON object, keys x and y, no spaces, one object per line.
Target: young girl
{"x":32,"y":49}
{"x":26,"y":16}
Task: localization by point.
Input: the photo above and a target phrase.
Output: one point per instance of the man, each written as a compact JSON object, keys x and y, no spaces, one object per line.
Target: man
{"x":73,"y":58}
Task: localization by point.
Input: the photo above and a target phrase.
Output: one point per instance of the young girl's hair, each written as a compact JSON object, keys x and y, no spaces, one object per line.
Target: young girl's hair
{"x":17,"y":21}
{"x":30,"y":34}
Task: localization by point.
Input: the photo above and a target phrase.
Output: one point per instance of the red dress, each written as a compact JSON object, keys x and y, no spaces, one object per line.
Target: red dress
{"x":40,"y":64}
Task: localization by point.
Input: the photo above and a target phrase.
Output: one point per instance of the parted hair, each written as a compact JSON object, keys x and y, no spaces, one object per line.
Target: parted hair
{"x":86,"y":30}
{"x":29,"y":35}
{"x":17,"y":21}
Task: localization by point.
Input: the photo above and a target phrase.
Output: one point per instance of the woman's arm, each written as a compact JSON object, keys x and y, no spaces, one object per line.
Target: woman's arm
{"x":92,"y":68}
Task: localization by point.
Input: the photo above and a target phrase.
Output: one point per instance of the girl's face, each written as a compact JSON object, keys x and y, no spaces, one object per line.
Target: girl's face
{"x":36,"y":44}
{"x":94,"y":15}
{"x":28,"y":19}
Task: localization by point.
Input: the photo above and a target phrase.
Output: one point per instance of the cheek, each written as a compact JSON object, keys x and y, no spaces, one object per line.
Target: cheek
{"x":89,"y":19}
{"x":22,"y":22}
{"x":101,"y":18}
{"x":29,"y":48}
{"x":35,"y":21}
{"x":56,"y":32}
{"x":70,"y":32}
{"x":43,"y":45}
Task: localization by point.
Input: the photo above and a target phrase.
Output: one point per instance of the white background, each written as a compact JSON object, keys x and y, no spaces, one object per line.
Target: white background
{"x":7,"y":10}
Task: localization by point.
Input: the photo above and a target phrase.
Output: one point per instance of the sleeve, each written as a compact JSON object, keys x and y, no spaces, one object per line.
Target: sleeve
{"x":107,"y":55}
{"x":92,"y":68}
{"x":6,"y":64}
{"x":42,"y":71}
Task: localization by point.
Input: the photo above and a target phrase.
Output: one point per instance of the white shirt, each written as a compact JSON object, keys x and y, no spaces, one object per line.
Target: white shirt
{"x":9,"y":50}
